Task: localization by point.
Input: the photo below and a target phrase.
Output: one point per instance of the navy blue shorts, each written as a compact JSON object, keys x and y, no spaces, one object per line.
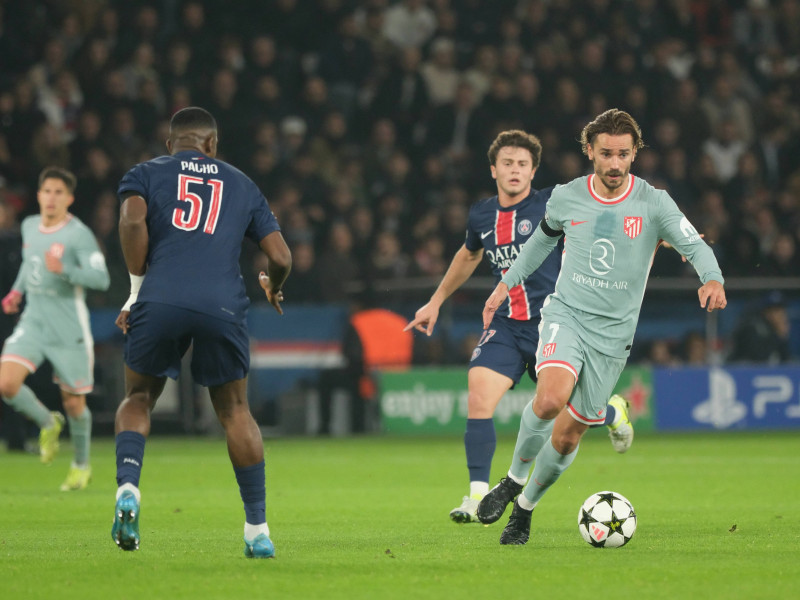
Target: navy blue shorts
{"x":508,"y":347}
{"x":160,"y":334}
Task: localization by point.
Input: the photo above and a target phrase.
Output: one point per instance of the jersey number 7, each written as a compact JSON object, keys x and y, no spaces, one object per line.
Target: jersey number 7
{"x":188,"y":220}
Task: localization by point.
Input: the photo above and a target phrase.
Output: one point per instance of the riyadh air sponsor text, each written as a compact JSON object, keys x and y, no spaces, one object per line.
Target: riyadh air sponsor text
{"x":596,"y":282}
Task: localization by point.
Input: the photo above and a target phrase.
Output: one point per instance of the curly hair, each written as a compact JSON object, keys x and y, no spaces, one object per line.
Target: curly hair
{"x":516,"y":138}
{"x":613,"y":122}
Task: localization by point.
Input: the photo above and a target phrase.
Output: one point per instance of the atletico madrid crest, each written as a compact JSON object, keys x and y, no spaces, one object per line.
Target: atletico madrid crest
{"x":633,"y":226}
{"x":548,"y":349}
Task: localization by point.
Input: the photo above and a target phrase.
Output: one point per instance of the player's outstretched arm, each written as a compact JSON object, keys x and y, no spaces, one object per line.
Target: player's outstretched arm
{"x":494,"y":301}
{"x":712,"y":296}
{"x":461,"y":268}
{"x":280,"y":264}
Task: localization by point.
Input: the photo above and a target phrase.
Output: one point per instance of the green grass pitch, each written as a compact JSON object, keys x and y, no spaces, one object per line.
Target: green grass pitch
{"x":719,"y":517}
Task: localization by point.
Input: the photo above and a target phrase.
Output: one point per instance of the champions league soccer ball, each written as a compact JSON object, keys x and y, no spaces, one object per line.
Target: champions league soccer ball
{"x":607,"y":520}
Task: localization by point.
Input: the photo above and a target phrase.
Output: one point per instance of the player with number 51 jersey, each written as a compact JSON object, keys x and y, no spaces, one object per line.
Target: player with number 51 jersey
{"x":198,"y":210}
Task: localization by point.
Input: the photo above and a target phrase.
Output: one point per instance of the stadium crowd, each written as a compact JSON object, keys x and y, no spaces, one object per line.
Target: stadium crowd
{"x":365,"y":123}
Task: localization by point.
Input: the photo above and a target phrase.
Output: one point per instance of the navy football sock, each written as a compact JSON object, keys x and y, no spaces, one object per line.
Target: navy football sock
{"x":480,"y":441}
{"x":130,"y":454}
{"x":252,"y":487}
{"x":611,"y":414}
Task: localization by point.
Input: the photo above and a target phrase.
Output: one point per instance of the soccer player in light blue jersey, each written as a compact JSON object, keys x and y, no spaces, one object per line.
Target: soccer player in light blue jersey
{"x":613,"y":223}
{"x":60,"y":259}
{"x":497,"y":228}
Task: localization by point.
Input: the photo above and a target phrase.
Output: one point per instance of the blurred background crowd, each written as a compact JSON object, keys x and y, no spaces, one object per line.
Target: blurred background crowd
{"x":366,"y":123}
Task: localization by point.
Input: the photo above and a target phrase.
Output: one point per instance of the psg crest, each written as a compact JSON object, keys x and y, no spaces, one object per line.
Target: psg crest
{"x":633,"y":226}
{"x":524,"y":227}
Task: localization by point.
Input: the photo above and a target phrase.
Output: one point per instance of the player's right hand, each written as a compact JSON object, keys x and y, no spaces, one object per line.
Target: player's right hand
{"x":122,"y":321}
{"x":494,"y":301}
{"x":424,"y":320}
{"x":275,"y":297}
{"x":11,"y":302}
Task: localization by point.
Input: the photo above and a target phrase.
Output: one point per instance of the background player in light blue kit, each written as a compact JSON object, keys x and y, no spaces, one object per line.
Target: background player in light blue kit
{"x":60,"y":258}
{"x":182,"y":222}
{"x":497,"y":228}
{"x":613,"y":224}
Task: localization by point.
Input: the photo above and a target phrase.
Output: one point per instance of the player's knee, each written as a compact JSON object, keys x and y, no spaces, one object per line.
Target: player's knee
{"x":480,"y":406}
{"x":9,"y":388}
{"x":547,"y":404}
{"x":74,"y":404}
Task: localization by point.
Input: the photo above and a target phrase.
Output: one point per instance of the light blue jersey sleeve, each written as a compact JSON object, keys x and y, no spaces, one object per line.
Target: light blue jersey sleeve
{"x":90,"y":271}
{"x":20,"y":283}
{"x":22,"y":277}
{"x":676,"y":229}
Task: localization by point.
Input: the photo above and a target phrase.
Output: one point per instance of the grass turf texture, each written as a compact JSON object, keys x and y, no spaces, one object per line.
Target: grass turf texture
{"x":368,"y":518}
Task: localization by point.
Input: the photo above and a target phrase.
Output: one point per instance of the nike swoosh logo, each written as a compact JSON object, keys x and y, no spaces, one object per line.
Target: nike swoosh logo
{"x":487,"y":234}
{"x":574,"y":222}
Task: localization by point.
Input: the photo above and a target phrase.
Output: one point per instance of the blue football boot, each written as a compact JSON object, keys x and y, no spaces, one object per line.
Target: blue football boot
{"x":125,"y":530}
{"x":260,"y":547}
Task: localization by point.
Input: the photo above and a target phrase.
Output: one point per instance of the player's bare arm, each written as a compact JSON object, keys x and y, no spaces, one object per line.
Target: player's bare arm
{"x":134,"y":239}
{"x":712,"y":296}
{"x":494,"y":301}
{"x":280,"y":264}
{"x":461,"y":268}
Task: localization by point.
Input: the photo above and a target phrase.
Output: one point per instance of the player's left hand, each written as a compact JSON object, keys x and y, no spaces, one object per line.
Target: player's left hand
{"x":494,"y":301}
{"x":712,"y":296}
{"x":275,"y":297}
{"x":53,"y":262}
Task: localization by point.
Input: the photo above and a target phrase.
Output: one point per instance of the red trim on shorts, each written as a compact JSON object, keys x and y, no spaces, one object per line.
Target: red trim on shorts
{"x":79,"y":391}
{"x":580,"y":418}
{"x":558,"y":363}
{"x":19,"y":360}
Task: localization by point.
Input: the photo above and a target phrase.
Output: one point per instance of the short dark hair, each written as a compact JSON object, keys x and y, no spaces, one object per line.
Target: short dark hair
{"x":612,"y":122}
{"x":516,"y":138}
{"x":61,"y":173}
{"x":192,"y":118}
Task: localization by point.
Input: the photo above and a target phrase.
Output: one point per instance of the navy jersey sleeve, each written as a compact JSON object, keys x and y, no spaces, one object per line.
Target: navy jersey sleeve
{"x":263,"y":222}
{"x":133,"y":181}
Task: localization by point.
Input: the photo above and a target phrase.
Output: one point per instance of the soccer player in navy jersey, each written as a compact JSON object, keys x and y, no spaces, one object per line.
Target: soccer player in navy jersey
{"x":182,"y":221}
{"x":497,"y":228}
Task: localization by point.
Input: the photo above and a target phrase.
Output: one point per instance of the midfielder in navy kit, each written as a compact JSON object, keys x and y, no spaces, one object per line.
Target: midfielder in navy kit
{"x":613,"y":223}
{"x":182,"y":222}
{"x":497,"y":228}
{"x":60,"y":259}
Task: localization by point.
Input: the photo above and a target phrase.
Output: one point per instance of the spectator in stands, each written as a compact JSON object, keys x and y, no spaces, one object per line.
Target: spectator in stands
{"x":303,"y":287}
{"x":763,"y":335}
{"x":409,"y":23}
{"x":373,"y":339}
{"x":339,"y":268}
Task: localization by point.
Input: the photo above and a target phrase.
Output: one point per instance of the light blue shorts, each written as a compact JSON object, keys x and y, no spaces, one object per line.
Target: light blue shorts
{"x":595,"y":373}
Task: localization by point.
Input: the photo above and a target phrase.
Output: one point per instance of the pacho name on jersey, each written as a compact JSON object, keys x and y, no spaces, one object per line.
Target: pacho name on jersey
{"x":195,"y":167}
